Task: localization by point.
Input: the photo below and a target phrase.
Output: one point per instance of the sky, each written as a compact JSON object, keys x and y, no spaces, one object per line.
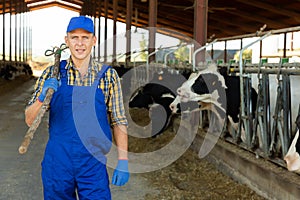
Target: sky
{"x":49,"y":28}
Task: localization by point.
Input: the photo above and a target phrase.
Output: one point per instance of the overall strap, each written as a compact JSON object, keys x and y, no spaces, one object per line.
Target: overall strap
{"x":62,"y":68}
{"x":103,"y":71}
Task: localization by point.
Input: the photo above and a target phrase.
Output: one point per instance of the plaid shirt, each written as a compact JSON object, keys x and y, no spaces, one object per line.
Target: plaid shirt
{"x":109,"y":84}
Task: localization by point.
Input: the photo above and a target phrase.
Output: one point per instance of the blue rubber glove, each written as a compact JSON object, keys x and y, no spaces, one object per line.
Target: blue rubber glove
{"x":121,"y":174}
{"x":49,"y":83}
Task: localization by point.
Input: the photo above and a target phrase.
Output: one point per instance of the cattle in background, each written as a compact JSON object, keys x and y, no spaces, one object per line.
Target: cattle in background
{"x":125,"y":78}
{"x":278,"y":128}
{"x":216,"y":91}
{"x":27,"y":69}
{"x":292,"y":158}
{"x":156,"y":96}
{"x":10,"y":70}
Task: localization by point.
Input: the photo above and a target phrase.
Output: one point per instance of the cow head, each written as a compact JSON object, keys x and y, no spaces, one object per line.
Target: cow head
{"x":177,"y":107}
{"x":207,"y":87}
{"x":292,"y":158}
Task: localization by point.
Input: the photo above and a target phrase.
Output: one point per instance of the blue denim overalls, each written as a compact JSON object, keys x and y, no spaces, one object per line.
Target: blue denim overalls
{"x":75,"y":155}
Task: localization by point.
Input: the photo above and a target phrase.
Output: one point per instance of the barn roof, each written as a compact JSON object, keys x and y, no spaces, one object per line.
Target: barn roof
{"x":225,"y":18}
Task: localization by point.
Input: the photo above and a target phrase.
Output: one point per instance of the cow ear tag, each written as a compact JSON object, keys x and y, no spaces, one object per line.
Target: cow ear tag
{"x":160,"y":77}
{"x":214,"y":83}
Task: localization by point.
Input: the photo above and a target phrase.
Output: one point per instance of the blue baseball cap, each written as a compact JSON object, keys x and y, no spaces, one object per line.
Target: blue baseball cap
{"x":81,"y":22}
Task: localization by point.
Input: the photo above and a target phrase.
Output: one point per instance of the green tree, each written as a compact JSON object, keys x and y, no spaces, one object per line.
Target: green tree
{"x":182,"y":54}
{"x":247,"y":55}
{"x":144,"y":47}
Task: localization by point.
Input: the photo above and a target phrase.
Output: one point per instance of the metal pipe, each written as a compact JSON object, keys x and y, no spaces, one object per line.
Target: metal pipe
{"x":10,"y":30}
{"x":105,"y":29}
{"x":3,"y":37}
{"x":166,"y":55}
{"x":225,"y":52}
{"x":159,"y":49}
{"x":23,"y":30}
{"x":16,"y":37}
{"x":284,"y":45}
{"x":278,"y":31}
{"x":20,"y":36}
{"x":29,"y":46}
{"x":148,"y":56}
{"x":26,"y":37}
{"x":200,"y":49}
{"x":136,"y":57}
{"x":129,"y":6}
{"x":99,"y":32}
{"x":242,"y":106}
{"x":289,"y":71}
{"x":115,"y":17}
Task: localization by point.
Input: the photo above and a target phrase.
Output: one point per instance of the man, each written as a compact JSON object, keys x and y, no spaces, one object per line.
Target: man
{"x":85,"y":92}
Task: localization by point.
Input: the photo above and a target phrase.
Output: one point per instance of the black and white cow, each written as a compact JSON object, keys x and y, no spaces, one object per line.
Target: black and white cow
{"x":12,"y":69}
{"x":156,"y":96}
{"x":125,"y":74}
{"x":27,"y":69}
{"x":213,"y":90}
{"x":292,"y":158}
{"x":8,"y":71}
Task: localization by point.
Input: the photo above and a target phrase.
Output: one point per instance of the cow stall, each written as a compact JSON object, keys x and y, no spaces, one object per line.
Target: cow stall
{"x":277,"y":107}
{"x":270,"y":128}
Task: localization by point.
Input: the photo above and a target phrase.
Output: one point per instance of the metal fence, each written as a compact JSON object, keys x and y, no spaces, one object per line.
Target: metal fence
{"x":270,"y":131}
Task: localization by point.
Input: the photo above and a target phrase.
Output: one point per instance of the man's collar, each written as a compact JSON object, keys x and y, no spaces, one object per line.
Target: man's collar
{"x":92,"y":65}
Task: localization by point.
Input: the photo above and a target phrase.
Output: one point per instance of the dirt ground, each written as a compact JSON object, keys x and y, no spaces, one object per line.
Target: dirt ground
{"x":187,"y":178}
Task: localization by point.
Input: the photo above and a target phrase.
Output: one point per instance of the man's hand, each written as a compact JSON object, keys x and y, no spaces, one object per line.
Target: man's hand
{"x":121,"y":174}
{"x":49,"y":83}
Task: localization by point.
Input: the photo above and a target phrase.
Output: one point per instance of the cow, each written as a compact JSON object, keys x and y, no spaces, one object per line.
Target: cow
{"x":290,"y":153}
{"x":213,"y":90}
{"x":125,"y":75}
{"x":292,"y":158}
{"x":27,"y":69}
{"x":156,"y":96}
{"x":8,"y":71}
{"x":12,"y":69}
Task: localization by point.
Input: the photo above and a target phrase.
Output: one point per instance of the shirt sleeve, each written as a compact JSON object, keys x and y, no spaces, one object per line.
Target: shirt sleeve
{"x":39,"y":84}
{"x":115,"y":100}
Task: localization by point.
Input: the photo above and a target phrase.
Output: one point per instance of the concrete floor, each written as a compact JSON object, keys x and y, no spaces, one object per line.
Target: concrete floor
{"x":20,"y":174}
{"x":20,"y":177}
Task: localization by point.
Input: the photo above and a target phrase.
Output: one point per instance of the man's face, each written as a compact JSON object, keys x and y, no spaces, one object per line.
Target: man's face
{"x":80,"y":43}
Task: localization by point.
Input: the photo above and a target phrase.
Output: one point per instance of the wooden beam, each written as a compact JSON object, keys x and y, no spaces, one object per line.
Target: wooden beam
{"x":279,"y":9}
{"x":173,"y":24}
{"x":214,"y":22}
{"x":255,"y":17}
{"x":51,"y":4}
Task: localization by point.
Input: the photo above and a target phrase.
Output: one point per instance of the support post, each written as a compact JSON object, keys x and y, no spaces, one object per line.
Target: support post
{"x":152,"y":27}
{"x":200,"y":27}
{"x":128,"y":31}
